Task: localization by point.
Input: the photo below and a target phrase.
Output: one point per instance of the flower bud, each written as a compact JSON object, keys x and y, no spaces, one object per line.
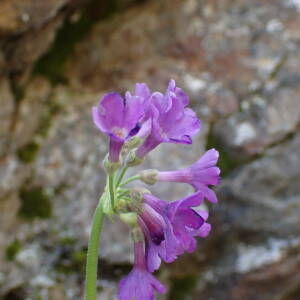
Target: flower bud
{"x":137,"y":193}
{"x":123,"y":206}
{"x":133,"y":160}
{"x":129,"y":218}
{"x":137,"y":197}
{"x":149,"y":176}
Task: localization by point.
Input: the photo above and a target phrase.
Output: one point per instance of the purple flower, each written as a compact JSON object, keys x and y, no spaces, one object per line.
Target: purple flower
{"x":139,"y":284}
{"x":172,"y":121}
{"x":170,"y":228}
{"x":161,"y":244}
{"x":184,"y":222}
{"x":200,"y":175}
{"x":118,"y":118}
{"x":188,"y":223}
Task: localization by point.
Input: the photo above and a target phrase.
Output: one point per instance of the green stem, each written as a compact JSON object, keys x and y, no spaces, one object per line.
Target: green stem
{"x":125,"y":168}
{"x":92,"y":255}
{"x":111,"y":190}
{"x":133,"y":178}
{"x":124,"y":193}
{"x":127,"y":198}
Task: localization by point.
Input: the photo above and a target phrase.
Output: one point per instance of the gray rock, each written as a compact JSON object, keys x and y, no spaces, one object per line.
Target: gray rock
{"x":256,"y":221}
{"x":28,"y":48}
{"x":238,"y":61}
{"x":265,"y":120}
{"x":29,"y":123}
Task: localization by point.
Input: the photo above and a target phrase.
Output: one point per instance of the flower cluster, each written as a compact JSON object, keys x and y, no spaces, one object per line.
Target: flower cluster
{"x":162,"y":230}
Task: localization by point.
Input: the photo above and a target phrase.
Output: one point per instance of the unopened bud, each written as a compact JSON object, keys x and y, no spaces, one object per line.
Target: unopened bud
{"x":133,"y":160}
{"x":137,"y":193}
{"x":122,"y":206}
{"x":129,"y":218}
{"x":149,"y":176}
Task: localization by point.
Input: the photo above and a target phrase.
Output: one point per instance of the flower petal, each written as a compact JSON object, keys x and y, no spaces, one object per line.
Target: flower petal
{"x":134,"y":110}
{"x":112,"y":107}
{"x":207,"y":192}
{"x":142,"y":90}
{"x":204,"y":230}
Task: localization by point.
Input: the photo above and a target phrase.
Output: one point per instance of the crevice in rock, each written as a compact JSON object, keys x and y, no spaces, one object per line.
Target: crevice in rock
{"x":229,"y":164}
{"x":18,"y":94}
{"x":71,"y":259}
{"x":181,"y":288}
{"x":226,"y":162}
{"x":15,"y":294}
{"x":293,"y":293}
{"x":288,"y":137}
{"x":76,"y":26}
{"x":259,"y":90}
{"x":113,"y":271}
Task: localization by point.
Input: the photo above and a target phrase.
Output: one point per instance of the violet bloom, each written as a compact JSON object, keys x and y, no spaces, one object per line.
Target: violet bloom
{"x":170,"y":228}
{"x":172,"y":121}
{"x":200,"y":175}
{"x":184,"y":222}
{"x":118,"y":118}
{"x":188,"y":223}
{"x":139,"y":283}
{"x":161,"y":244}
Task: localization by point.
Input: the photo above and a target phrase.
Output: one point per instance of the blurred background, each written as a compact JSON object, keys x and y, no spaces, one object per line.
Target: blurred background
{"x":239,"y":60}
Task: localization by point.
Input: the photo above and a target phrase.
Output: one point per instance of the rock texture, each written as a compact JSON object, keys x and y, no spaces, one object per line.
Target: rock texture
{"x":238,"y":60}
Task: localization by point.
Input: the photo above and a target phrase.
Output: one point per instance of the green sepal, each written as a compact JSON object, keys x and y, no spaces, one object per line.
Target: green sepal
{"x":149,"y":176}
{"x":106,"y":203}
{"x":110,"y":167}
{"x":129,"y":218}
{"x":133,"y":160}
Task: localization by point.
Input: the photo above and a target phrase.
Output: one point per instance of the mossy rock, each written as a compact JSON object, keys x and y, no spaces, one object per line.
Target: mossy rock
{"x":35,"y":203}
{"x":27,"y":153}
{"x":226,"y":162}
{"x":52,"y":63}
{"x":12,"y":250}
{"x":181,"y":287}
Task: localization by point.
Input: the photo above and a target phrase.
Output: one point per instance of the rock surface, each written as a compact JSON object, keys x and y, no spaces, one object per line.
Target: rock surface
{"x":238,"y":60}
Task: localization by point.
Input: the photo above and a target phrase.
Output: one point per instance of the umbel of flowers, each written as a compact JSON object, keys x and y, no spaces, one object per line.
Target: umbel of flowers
{"x":161,"y":230}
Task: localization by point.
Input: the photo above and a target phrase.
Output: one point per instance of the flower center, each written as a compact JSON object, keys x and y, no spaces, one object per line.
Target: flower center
{"x":120,"y":132}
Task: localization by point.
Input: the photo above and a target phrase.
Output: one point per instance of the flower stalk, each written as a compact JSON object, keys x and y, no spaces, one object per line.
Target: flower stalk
{"x":133,"y":178}
{"x":122,"y":174}
{"x":92,"y":254}
{"x":111,"y":190}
